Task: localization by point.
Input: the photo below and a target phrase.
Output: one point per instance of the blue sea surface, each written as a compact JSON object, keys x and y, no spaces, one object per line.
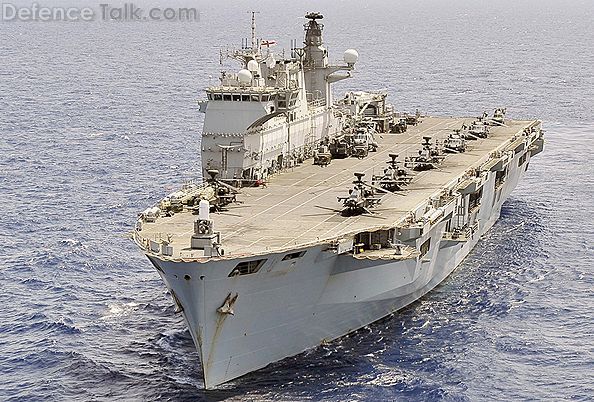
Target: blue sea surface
{"x":99,"y":120}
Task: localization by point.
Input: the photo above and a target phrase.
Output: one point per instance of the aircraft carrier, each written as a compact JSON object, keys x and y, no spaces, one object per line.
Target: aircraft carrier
{"x":318,"y":216}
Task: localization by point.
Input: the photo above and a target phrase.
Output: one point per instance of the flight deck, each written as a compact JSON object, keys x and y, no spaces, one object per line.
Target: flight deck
{"x":299,"y":206}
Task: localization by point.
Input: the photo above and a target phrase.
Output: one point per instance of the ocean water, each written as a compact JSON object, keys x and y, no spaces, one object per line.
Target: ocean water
{"x":99,"y":120}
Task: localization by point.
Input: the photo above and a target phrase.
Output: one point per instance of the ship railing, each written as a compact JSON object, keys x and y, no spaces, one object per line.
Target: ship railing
{"x":138,"y":239}
{"x":154,"y":243}
{"x":190,"y":255}
{"x":317,"y":103}
{"x":388,"y":253}
{"x":460,"y":234}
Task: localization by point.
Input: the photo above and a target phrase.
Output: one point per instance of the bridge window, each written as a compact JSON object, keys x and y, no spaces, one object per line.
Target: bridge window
{"x":245,"y":98}
{"x":218,"y":97}
{"x":209,"y":96}
{"x":264,"y":98}
{"x":236,"y":97}
{"x":226,"y":97}
{"x":255,"y":98}
{"x":247,"y":267}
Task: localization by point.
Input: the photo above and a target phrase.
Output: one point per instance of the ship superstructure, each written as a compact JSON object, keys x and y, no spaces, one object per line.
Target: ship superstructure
{"x":278,"y":251}
{"x":274,"y":112}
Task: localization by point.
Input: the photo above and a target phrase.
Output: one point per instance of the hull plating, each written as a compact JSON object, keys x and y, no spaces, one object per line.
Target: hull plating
{"x":291,"y":306}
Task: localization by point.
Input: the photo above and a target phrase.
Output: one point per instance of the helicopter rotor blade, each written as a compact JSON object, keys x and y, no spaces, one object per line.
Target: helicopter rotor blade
{"x":321,"y":214}
{"x":383,"y":190}
{"x":497,"y":123}
{"x":395,"y":192}
{"x":240,"y":205}
{"x":228,"y":214}
{"x":329,"y":209}
{"x":476,"y":137}
{"x":398,"y":192}
{"x":370,"y":214}
{"x":228,"y":186}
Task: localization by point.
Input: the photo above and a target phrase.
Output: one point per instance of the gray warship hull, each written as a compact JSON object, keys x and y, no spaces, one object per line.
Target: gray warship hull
{"x":291,"y":305}
{"x":269,"y":266}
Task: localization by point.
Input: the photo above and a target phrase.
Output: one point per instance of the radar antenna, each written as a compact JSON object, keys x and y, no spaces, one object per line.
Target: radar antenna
{"x":314,"y":16}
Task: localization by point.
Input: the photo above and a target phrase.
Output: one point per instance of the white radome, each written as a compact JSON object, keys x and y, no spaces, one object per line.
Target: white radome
{"x":204,"y":210}
{"x":252,"y":65}
{"x":351,"y":56}
{"x":244,"y":76}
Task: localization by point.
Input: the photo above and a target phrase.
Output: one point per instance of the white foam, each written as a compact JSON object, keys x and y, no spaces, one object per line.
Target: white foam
{"x":116,"y":310}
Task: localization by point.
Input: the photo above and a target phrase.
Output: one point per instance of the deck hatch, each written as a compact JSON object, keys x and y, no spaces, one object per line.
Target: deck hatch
{"x":247,"y":267}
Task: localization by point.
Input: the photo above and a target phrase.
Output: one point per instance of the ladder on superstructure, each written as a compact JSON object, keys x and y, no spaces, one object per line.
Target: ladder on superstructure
{"x":310,"y":138}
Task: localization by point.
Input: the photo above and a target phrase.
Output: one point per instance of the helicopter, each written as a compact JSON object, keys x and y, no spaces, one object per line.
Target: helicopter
{"x":455,"y":143}
{"x":217,"y":193}
{"x":223,"y":193}
{"x":363,"y":141}
{"x":394,"y":177}
{"x":498,"y":118}
{"x":477,"y":129}
{"x":341,"y":147}
{"x":428,"y":158}
{"x":360,"y":198}
{"x":322,"y":156}
{"x":398,"y":126}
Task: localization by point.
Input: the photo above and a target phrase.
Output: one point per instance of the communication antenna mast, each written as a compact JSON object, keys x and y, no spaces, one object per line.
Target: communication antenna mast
{"x":254,"y":42}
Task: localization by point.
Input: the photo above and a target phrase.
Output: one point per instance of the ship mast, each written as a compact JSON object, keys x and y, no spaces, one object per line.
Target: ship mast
{"x":254,"y":43}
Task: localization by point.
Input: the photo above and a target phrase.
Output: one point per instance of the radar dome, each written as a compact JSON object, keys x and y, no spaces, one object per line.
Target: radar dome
{"x":252,"y":65}
{"x":351,"y":56}
{"x":244,"y":77}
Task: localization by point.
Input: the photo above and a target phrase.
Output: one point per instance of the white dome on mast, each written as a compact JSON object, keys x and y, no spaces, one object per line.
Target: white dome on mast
{"x":253,"y":66}
{"x":351,"y":56}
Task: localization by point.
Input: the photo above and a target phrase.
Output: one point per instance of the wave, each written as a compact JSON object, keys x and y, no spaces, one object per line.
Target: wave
{"x":118,"y":310}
